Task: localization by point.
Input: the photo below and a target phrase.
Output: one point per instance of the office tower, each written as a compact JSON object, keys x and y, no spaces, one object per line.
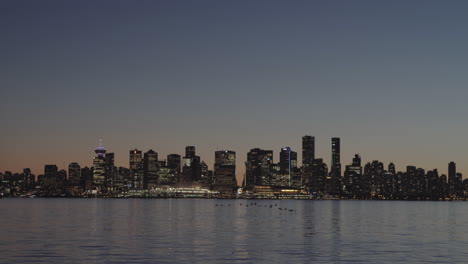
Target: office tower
{"x":111,"y":171}
{"x":52,"y":183}
{"x":99,"y":167}
{"x":206,"y":174}
{"x":432,"y":179}
{"x":458,"y":185}
{"x":29,"y":178}
{"x":50,"y":171}
{"x":334,"y":181}
{"x":372,"y":180}
{"x":136,"y":169}
{"x":336,"y":165}
{"x":173,"y":163}
{"x":288,"y":162}
{"x":150,"y":168}
{"x":190,"y":152}
{"x":391,"y":168}
{"x":308,"y":156}
{"x":224,"y":178}
{"x":257,"y":167}
{"x":452,"y":173}
{"x":191,"y":170}
{"x":87,"y":178}
{"x":123,"y":179}
{"x":308,"y":150}
{"x":352,"y":177}
{"x":411,"y":180}
{"x":319,"y":174}
{"x":74,"y":173}
{"x":421,"y":186}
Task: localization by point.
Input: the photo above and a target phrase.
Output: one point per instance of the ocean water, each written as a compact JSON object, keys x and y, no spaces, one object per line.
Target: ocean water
{"x":231,"y":231}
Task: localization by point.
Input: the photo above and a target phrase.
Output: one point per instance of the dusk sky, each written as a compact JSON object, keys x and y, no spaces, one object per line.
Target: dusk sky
{"x":390,"y":78}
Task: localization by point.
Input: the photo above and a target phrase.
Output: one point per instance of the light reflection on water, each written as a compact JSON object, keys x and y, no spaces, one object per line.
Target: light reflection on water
{"x":229,"y":231}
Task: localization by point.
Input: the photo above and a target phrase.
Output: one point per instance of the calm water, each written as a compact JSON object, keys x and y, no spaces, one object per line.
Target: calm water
{"x":203,"y":231}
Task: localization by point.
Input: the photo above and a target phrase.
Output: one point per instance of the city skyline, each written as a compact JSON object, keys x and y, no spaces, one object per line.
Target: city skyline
{"x":388,"y":78}
{"x":149,"y":175}
{"x":138,"y":158}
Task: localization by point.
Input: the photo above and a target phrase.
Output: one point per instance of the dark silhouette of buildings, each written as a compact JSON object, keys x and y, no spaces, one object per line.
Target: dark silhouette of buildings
{"x":150,"y":169}
{"x":308,"y":157}
{"x":136,"y":169}
{"x":224,"y":178}
{"x":258,"y":167}
{"x":314,"y":178}
{"x":191,"y":170}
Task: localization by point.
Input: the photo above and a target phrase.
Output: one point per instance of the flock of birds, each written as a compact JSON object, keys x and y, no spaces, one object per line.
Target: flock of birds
{"x":254,"y":204}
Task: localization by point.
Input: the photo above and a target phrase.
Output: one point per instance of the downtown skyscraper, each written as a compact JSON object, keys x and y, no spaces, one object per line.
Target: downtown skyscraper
{"x":308,"y":158}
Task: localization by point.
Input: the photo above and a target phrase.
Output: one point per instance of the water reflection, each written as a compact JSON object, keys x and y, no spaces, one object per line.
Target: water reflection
{"x":231,"y":231}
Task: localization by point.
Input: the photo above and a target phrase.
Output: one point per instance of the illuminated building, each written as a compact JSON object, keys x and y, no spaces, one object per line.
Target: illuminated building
{"x":308,"y":156}
{"x":136,"y":169}
{"x":99,"y":167}
{"x":258,"y":167}
{"x":352,"y":176}
{"x":288,"y":161}
{"x":74,"y":173}
{"x":111,"y":172}
{"x":191,"y":170}
{"x":224,"y":179}
{"x":173,"y":163}
{"x":150,"y":168}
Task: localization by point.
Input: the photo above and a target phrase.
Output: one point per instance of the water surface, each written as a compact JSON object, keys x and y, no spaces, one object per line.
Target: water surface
{"x":231,"y":231}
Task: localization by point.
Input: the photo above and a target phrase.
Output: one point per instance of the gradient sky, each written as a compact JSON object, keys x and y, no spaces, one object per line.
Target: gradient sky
{"x":390,"y":78}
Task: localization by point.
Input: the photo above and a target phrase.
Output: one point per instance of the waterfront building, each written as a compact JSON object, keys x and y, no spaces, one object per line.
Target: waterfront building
{"x":319,"y":175}
{"x":308,"y":157}
{"x":111,"y":171}
{"x":150,"y":169}
{"x":224,"y":178}
{"x":191,"y":170}
{"x":288,"y":161}
{"x":74,"y":173}
{"x":353,"y":177}
{"x":136,"y":169}
{"x":173,"y":163}
{"x":258,"y":167}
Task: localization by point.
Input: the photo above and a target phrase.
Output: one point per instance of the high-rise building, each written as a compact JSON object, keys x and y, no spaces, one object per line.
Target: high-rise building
{"x":136,"y":169}
{"x":190,"y":152}
{"x":52,"y":182}
{"x":411,"y":180}
{"x":308,"y":150}
{"x":334,"y":181}
{"x":308,"y":156}
{"x":150,"y":168}
{"x":99,"y":167}
{"x":372,"y":180}
{"x":391,"y":168}
{"x":288,"y":162}
{"x":87,"y":178}
{"x":224,"y":179}
{"x":335,"y":163}
{"x":319,"y":174}
{"x":452,"y":177}
{"x":353,"y":176}
{"x":191,"y":170}
{"x":111,"y":171}
{"x":28,"y":177}
{"x":206,"y":175}
{"x":74,"y":173}
{"x":50,"y":171}
{"x":173,"y":163}
{"x":257,"y":167}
